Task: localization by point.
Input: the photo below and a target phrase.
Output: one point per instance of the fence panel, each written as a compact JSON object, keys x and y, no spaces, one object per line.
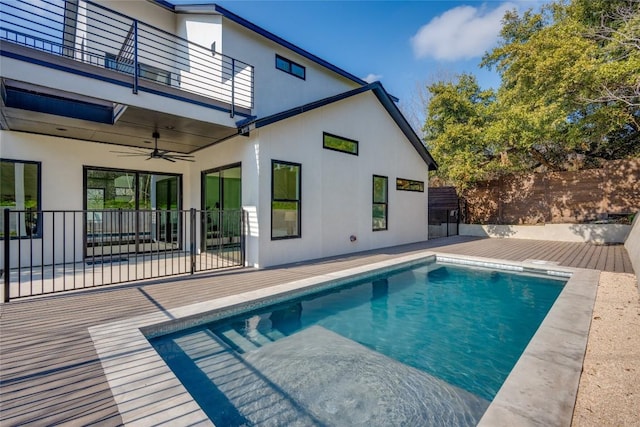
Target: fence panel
{"x":55,"y":251}
{"x":557,"y":197}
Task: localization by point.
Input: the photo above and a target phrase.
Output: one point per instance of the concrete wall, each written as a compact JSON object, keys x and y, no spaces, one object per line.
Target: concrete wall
{"x":632,"y":245}
{"x":592,"y":233}
{"x":336,"y":197}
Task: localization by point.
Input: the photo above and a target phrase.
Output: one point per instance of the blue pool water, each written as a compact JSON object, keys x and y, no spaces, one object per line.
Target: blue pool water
{"x":358,"y":350}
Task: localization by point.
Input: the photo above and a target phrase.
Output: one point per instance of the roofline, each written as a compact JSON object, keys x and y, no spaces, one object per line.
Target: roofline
{"x":261,"y":31}
{"x":279,"y":40}
{"x":385,"y":99}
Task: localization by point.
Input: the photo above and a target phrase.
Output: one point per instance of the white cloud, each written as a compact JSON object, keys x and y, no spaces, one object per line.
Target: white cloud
{"x":372,"y":78}
{"x":460,"y":33}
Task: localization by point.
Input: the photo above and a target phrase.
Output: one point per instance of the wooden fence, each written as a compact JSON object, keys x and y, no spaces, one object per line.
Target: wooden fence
{"x":557,"y":197}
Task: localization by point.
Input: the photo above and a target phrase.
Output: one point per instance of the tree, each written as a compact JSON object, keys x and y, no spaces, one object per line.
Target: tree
{"x":570,"y":76}
{"x":456,"y":116}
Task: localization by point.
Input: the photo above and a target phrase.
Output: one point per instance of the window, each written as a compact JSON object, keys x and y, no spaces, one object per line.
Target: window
{"x":409,"y":185}
{"x":285,"y":200}
{"x":290,"y":67}
{"x":338,"y":143}
{"x":380,"y":202}
{"x":20,"y":191}
{"x":147,"y":72}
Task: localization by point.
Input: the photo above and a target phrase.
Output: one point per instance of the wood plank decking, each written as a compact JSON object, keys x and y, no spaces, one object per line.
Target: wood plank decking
{"x":51,"y":374}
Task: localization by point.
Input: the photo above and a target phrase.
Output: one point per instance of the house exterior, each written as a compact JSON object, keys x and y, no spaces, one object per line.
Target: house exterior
{"x":319,"y":162}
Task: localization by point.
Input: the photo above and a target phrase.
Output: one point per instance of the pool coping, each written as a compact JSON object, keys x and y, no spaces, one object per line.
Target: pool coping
{"x":540,"y":390}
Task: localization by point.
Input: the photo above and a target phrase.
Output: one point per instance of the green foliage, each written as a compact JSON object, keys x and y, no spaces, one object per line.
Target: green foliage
{"x":570,"y":76}
{"x":458,"y":113}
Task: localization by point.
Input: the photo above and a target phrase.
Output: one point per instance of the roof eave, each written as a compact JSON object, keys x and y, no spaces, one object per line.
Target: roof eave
{"x":385,"y":99}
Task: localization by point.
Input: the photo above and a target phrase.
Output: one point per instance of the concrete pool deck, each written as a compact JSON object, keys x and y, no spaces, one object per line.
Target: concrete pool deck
{"x":50,"y":371}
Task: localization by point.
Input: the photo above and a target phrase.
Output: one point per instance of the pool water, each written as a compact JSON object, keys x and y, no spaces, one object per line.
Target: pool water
{"x":387,"y":349}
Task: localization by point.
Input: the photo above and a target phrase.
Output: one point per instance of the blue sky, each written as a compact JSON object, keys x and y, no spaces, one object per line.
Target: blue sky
{"x":401,"y":43}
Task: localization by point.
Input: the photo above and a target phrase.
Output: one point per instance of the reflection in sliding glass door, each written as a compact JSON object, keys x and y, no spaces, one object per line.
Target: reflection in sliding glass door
{"x":222,"y":205}
{"x":131,"y":212}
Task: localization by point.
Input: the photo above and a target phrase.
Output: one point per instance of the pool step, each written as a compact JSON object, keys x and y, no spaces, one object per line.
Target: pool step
{"x":236,"y":340}
{"x":258,"y":339}
{"x":245,"y":343}
{"x":274,"y":335}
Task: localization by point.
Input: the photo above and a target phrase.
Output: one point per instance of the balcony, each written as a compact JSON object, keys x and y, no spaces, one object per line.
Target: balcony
{"x":89,"y":40}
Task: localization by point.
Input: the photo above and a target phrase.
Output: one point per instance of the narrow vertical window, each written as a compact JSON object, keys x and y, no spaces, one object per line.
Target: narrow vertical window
{"x":285,"y":200}
{"x":20,"y":191}
{"x":380,"y":202}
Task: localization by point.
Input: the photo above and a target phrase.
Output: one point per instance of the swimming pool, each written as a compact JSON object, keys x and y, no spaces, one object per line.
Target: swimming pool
{"x":540,"y":390}
{"x":429,"y":341}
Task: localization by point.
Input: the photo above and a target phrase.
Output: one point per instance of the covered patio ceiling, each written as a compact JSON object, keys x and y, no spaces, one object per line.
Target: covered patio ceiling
{"x":38,"y":110}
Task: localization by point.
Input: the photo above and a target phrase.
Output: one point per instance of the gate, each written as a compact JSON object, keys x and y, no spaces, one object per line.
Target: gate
{"x":444,"y":212}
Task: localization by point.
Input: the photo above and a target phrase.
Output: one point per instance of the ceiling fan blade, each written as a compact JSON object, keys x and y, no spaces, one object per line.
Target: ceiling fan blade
{"x":185,"y":159}
{"x":130,"y":152}
{"x":179,"y":156}
{"x":132,"y":155}
{"x":167,"y":159}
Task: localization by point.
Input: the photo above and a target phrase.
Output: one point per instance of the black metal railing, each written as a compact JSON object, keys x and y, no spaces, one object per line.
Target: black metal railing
{"x":95,"y":35}
{"x":54,"y":251}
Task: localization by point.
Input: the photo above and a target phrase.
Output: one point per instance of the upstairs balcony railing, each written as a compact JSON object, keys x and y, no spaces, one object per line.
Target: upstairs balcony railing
{"x":92,"y":34}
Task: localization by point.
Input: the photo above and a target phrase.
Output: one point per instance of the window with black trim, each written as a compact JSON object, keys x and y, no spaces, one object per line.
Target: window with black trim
{"x":339,"y":143}
{"x":380,"y":202}
{"x":409,"y":185}
{"x":148,"y":72}
{"x":285,"y":199}
{"x":20,"y":186}
{"x":291,"y":67}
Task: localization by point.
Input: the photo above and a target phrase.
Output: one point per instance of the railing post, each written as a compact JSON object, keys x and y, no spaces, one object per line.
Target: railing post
{"x":135,"y":56}
{"x":192,"y":238}
{"x":243,"y":235}
{"x":7,"y":258}
{"x":233,"y":87}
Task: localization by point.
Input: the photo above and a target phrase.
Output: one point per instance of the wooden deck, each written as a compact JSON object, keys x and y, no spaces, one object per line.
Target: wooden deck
{"x":51,"y":374}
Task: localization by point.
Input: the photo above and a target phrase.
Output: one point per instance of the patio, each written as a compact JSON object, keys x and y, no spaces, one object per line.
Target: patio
{"x":51,"y":373}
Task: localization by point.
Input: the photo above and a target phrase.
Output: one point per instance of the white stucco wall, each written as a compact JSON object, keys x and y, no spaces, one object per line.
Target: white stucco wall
{"x":62,"y":161}
{"x":155,"y":15}
{"x":336,"y":198}
{"x":275,"y":90}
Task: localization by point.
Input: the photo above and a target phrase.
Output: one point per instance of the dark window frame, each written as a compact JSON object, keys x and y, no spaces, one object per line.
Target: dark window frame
{"x":385,"y":204}
{"x":137,"y":173}
{"x":145,"y":71}
{"x":204,"y":173}
{"x":324,"y":143}
{"x":298,"y":201}
{"x":290,"y":65}
{"x":410,"y":182}
{"x":38,"y":222}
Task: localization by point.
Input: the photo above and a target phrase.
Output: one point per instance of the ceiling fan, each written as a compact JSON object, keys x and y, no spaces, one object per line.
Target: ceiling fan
{"x":168,"y":155}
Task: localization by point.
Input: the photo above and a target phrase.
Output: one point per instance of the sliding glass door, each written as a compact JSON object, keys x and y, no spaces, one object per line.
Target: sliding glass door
{"x":222,"y":203}
{"x":131,"y":211}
